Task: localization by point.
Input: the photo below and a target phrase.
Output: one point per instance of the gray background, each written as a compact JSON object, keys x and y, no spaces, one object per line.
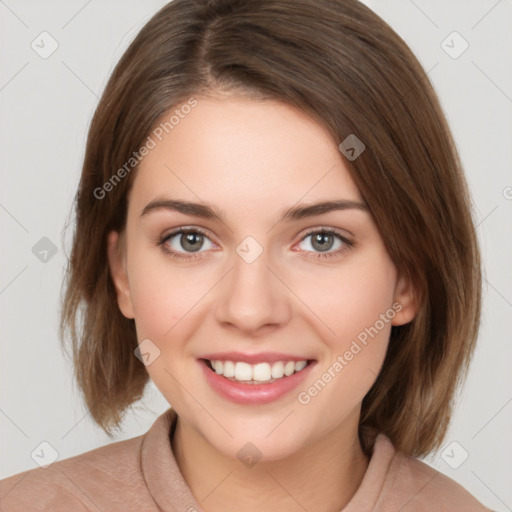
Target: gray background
{"x":46,"y":108}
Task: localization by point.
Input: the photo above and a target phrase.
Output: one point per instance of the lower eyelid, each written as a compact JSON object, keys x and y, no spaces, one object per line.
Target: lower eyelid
{"x":183,"y":254}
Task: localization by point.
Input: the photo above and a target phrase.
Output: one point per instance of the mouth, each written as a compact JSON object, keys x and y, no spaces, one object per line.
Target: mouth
{"x":263,"y":380}
{"x":259,"y":373}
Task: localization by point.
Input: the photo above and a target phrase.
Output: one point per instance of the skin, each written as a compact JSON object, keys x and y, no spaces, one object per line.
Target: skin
{"x":252,"y":159}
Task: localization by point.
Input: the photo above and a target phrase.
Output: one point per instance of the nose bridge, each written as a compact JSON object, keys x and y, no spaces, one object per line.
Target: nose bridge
{"x":251,"y":296}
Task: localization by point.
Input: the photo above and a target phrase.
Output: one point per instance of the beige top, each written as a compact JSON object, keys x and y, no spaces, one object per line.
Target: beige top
{"x":141,"y":474}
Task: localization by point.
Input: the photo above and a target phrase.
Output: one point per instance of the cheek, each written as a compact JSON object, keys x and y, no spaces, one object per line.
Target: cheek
{"x":364,"y":332}
{"x":351,"y":298}
{"x":166,"y":300}
{"x":356,"y":305}
{"x":368,"y":295}
{"x":164,"y":294}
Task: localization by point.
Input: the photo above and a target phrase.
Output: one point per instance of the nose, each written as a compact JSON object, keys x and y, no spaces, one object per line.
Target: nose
{"x":251,"y":298}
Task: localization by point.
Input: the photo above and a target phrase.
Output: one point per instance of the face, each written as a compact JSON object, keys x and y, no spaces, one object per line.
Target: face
{"x":264,"y":319}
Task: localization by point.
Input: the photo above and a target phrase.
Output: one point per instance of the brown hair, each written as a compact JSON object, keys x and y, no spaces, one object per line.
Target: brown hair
{"x":340,"y":63}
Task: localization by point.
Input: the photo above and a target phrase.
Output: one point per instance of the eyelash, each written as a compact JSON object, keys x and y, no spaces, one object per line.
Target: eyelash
{"x":348,"y":244}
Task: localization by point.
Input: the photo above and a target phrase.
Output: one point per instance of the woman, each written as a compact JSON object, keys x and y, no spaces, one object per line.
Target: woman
{"x":261,"y":230}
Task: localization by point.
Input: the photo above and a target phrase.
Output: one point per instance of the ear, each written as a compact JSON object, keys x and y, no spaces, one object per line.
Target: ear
{"x":117,"y":263}
{"x":405,"y":302}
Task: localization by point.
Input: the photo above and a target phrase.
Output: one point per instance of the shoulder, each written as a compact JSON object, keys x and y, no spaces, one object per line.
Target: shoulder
{"x":78,"y":483}
{"x":419,"y":487}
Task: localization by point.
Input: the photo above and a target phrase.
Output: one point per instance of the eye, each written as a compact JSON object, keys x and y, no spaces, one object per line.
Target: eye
{"x":183,"y":242}
{"x":189,"y":243}
{"x":325,"y":243}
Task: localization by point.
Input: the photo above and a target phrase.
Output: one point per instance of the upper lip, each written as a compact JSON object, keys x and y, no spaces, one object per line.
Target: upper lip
{"x":262,"y":357}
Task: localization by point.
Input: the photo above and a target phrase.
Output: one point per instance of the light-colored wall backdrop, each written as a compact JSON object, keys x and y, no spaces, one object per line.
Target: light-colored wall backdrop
{"x":47,"y":102}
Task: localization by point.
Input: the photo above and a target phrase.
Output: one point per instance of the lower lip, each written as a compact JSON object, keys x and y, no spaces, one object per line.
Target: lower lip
{"x":254,"y":394}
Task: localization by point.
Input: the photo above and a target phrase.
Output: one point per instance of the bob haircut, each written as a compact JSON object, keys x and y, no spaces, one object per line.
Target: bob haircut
{"x":345,"y":67}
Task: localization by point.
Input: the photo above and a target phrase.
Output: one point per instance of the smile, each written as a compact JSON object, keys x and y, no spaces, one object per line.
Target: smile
{"x":254,"y":379}
{"x":256,"y":373}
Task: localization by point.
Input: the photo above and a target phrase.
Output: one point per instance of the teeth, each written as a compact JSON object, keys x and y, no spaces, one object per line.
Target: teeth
{"x":289,"y":368}
{"x":255,"y":373}
{"x":299,"y":365}
{"x":261,"y":372}
{"x":229,"y":369}
{"x":243,"y":371}
{"x":277,"y":370}
{"x":217,"y":366}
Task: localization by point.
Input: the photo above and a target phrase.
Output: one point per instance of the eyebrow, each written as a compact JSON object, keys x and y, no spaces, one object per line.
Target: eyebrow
{"x":208,"y":211}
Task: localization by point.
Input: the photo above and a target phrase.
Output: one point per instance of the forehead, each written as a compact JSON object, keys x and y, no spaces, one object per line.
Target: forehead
{"x":245,"y":153}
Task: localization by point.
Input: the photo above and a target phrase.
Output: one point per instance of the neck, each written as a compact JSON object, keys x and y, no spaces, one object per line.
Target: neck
{"x":322,"y":476}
